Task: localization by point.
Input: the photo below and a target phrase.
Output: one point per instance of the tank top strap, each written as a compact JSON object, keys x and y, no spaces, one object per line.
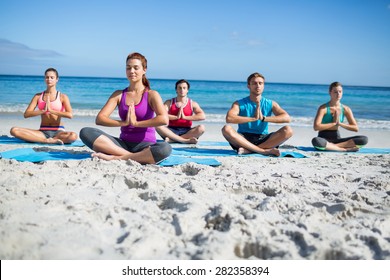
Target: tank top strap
{"x":328,"y":108}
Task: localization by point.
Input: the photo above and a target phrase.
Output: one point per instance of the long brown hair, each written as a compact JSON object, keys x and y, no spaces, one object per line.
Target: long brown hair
{"x":144,"y":63}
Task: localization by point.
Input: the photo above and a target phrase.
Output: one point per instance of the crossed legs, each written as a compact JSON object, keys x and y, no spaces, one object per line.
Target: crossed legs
{"x":268,"y":147}
{"x":190,"y":137}
{"x":37,"y":136}
{"x":108,"y":148}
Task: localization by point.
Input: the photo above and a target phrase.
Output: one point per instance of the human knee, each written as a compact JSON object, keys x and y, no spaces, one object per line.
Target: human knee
{"x":227,"y":129}
{"x":72,"y":136}
{"x":14,"y":131}
{"x":88,"y":135}
{"x":160,"y":151}
{"x":288,"y":131}
{"x":319,"y":143}
{"x":202,"y":128}
{"x":361,"y":140}
{"x":84,"y":132}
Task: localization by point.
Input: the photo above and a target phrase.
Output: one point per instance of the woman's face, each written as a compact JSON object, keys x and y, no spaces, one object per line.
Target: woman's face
{"x":51,"y":78}
{"x":336,"y":93}
{"x":134,"y":70}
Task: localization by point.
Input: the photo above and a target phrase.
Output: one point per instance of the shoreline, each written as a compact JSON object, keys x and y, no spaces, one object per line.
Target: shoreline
{"x":377,"y":138}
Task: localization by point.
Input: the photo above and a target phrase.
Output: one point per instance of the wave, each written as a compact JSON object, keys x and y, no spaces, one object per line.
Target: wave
{"x":210,"y":118}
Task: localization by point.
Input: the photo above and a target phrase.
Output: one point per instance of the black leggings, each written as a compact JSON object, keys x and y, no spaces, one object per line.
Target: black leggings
{"x":159,"y":150}
{"x":333,"y":136}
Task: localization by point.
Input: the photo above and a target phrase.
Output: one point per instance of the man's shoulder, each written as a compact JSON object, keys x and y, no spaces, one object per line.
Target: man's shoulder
{"x":266,"y":99}
{"x":243,"y":100}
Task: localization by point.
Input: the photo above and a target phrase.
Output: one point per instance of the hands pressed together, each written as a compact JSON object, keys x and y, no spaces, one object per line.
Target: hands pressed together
{"x":131,"y":118}
{"x":258,"y":114}
{"x":47,"y":110}
{"x":180,"y":114}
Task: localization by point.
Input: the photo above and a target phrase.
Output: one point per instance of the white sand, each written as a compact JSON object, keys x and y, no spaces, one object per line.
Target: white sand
{"x":327,"y":206}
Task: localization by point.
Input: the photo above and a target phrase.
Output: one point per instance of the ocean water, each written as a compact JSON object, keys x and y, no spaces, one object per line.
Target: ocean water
{"x":370,"y":105}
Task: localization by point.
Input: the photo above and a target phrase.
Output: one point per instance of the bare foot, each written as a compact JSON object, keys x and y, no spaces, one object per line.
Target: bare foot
{"x":353,"y":149}
{"x":54,"y":141}
{"x":192,"y":140}
{"x":243,"y":151}
{"x":272,"y":151}
{"x":103,"y":156}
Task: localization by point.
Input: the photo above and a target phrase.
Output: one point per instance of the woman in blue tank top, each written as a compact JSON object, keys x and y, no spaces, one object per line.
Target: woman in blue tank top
{"x":330,"y":116}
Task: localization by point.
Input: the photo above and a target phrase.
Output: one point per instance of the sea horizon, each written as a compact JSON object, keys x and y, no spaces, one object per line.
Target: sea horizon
{"x":200,"y":80}
{"x":89,"y":94}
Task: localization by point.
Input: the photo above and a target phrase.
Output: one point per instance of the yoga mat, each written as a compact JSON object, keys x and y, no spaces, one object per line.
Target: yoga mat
{"x":30,"y":155}
{"x":176,"y":160}
{"x":223,"y":153}
{"x":12,"y":140}
{"x":199,"y":144}
{"x":361,"y":151}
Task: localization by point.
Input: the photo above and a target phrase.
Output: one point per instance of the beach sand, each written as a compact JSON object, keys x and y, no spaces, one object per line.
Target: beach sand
{"x":325,"y":206}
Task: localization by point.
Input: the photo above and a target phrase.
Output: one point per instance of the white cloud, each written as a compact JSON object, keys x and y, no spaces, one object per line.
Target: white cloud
{"x":9,"y":50}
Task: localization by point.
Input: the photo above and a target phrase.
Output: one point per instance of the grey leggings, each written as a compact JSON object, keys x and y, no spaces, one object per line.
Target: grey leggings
{"x":333,"y":136}
{"x":159,"y":150}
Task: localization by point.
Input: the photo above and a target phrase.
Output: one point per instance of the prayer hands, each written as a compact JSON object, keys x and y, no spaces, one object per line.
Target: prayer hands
{"x":336,"y":117}
{"x":180,"y":114}
{"x":131,"y":118}
{"x":46,"y":98}
{"x":258,"y":114}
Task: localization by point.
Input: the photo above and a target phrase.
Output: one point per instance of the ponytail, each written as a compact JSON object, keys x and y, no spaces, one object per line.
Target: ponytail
{"x":145,"y":82}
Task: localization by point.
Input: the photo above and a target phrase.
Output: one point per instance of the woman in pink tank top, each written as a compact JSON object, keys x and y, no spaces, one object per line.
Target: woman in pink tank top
{"x":52,"y":106}
{"x":141,"y":110}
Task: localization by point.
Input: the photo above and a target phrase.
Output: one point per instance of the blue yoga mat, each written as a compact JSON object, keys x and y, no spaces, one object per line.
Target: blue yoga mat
{"x":223,"y":153}
{"x":30,"y":155}
{"x":176,"y":160}
{"x":361,"y":151}
{"x":13,"y":140}
{"x":199,"y":144}
{"x":214,"y":143}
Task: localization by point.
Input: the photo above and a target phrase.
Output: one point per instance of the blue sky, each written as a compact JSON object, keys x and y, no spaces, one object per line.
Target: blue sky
{"x":288,"y":41}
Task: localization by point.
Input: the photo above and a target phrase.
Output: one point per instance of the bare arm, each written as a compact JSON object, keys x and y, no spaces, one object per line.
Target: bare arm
{"x":68,"y":113}
{"x":198,"y":114}
{"x":233,"y":117}
{"x":161,"y":114}
{"x":30,"y":111}
{"x":352,"y":124}
{"x":280,"y":115}
{"x":103,"y":117}
{"x":318,"y":125}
